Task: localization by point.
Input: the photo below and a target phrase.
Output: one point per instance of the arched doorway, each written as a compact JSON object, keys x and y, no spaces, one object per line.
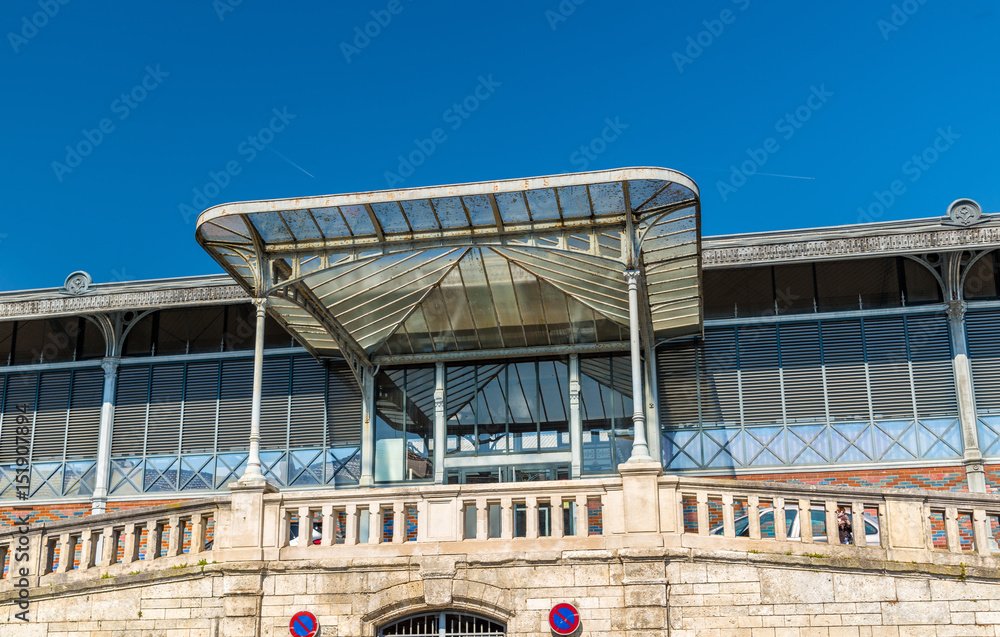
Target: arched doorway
{"x":442,"y":624}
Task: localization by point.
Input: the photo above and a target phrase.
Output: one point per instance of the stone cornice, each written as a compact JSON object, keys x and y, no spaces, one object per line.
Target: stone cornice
{"x":758,"y":249}
{"x":94,"y":303}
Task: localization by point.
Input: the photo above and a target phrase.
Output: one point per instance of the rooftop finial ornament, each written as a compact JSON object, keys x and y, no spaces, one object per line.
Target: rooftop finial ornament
{"x":78,"y":283}
{"x":964,"y":212}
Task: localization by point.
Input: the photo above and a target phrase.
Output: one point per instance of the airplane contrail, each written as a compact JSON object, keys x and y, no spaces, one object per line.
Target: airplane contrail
{"x":291,"y":162}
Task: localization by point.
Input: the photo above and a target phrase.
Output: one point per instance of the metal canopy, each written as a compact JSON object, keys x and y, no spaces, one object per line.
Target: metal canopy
{"x":502,"y":265}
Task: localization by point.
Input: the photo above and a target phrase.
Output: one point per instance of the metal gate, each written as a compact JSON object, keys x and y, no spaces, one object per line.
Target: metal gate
{"x":444,"y":623}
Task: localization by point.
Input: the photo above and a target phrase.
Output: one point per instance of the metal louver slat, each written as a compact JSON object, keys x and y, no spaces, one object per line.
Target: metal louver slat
{"x":49,"y":438}
{"x":933,"y":369}
{"x":843,"y":353}
{"x":984,"y":355}
{"x":343,"y":407}
{"x":234,"y":405}
{"x":801,"y":363}
{"x":888,"y":368}
{"x":85,"y":414}
{"x":308,"y":415}
{"x":720,"y":391}
{"x":274,"y":404}
{"x":21,"y":390}
{"x":131,"y":397}
{"x":759,"y":376}
{"x":677,"y":376}
{"x":201,"y":393}
{"x":166,"y":390}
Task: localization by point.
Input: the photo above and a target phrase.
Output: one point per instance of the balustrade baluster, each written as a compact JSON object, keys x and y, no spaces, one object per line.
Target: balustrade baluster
{"x":753,"y":513}
{"x":728,"y":529}
{"x":780,"y":531}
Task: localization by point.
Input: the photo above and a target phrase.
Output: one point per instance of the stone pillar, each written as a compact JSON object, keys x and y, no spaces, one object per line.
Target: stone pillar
{"x":241,"y":597}
{"x":640,"y":496}
{"x":253,"y":471}
{"x":367,"y":430}
{"x":440,"y":423}
{"x":575,"y":418}
{"x":640,"y":449}
{"x":246,"y":519}
{"x":100,"y":498}
{"x":972,"y":457}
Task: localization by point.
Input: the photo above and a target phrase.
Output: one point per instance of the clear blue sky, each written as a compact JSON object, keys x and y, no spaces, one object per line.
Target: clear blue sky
{"x":868,"y":87}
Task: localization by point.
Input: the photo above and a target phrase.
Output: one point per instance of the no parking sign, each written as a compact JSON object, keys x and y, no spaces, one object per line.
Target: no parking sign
{"x":564,"y":619}
{"x":303,"y":624}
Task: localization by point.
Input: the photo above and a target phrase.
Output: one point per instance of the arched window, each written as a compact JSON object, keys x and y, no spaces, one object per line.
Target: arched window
{"x":450,"y":623}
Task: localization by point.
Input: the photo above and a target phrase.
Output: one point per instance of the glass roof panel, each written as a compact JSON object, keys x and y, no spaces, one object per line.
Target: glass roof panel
{"x":270,"y":226}
{"x":450,"y":212}
{"x":216,"y":232}
{"x":671,"y":194}
{"x":511,"y":205}
{"x":331,"y":222}
{"x":542,"y":204}
{"x":574,"y":202}
{"x":301,"y":224}
{"x":390,"y":217}
{"x":358,"y":219}
{"x":641,"y":191}
{"x":608,"y":198}
{"x":480,"y":210}
{"x":421,"y":215}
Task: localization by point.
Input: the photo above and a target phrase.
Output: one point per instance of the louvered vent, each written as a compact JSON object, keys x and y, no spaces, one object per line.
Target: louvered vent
{"x":888,"y":368}
{"x":933,"y":369}
{"x":165,"y":395}
{"x":85,"y":413}
{"x":759,"y":376}
{"x":21,"y":390}
{"x":235,"y":395}
{"x":131,"y":401}
{"x":343,"y":407}
{"x":308,"y":415}
{"x":984,"y":353}
{"x":843,"y":352}
{"x":273,"y":405}
{"x":677,"y":375}
{"x":801,"y":361}
{"x":720,"y":390}
{"x":49,"y":439}
{"x":201,"y":399}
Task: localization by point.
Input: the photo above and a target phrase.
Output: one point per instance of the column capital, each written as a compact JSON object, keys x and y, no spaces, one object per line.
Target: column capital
{"x":110,"y":366}
{"x":632,"y":277}
{"x":261,"y":303}
{"x":956,"y":309}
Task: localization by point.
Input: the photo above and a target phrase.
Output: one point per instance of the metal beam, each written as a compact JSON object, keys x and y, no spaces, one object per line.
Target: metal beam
{"x":514,"y":352}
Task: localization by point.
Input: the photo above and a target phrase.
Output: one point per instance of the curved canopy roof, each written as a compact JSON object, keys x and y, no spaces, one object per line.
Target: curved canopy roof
{"x":521,"y":263}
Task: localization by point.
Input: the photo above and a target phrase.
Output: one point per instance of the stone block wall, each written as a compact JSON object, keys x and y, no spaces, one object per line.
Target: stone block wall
{"x":628,"y":592}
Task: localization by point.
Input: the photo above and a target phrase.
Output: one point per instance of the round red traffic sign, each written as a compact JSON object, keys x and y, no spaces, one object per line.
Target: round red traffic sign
{"x":303,"y":624}
{"x":564,"y":619}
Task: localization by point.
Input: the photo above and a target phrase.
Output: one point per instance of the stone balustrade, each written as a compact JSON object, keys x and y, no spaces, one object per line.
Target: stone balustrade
{"x":638,"y":509}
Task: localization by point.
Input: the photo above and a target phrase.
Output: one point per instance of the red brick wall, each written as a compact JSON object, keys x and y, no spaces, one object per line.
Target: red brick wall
{"x":53,"y":512}
{"x":946,"y":478}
